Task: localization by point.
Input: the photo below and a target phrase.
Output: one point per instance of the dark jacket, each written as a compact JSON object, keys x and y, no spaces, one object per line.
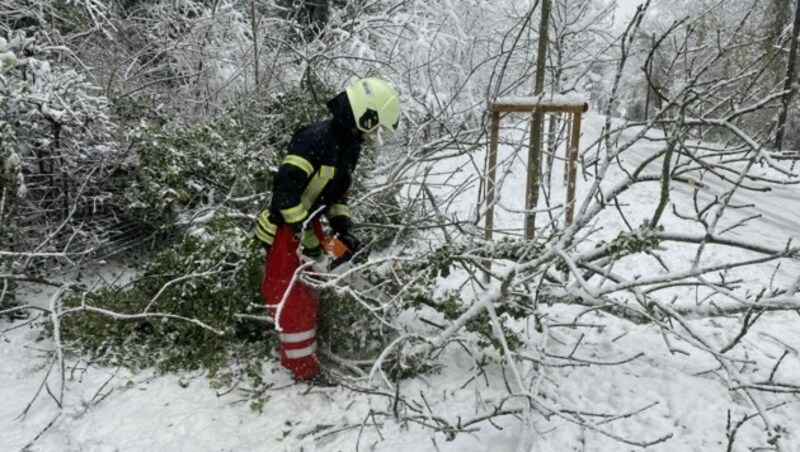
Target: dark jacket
{"x":320,"y":147}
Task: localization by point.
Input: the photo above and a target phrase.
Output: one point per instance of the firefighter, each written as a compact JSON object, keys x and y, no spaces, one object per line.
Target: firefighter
{"x":313,"y":180}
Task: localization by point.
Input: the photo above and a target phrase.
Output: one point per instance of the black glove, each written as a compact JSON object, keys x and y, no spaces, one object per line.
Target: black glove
{"x":358,"y":254}
{"x":351,"y":241}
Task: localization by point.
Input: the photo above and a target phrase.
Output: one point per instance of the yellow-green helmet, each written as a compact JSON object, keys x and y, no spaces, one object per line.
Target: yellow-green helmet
{"x":374,"y":103}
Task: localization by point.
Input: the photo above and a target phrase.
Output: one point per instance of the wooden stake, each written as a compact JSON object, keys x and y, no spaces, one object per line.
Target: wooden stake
{"x":490,"y":184}
{"x":572,"y":157}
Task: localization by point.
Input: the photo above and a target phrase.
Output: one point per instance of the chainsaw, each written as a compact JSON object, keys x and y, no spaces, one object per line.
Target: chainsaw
{"x":337,"y":262}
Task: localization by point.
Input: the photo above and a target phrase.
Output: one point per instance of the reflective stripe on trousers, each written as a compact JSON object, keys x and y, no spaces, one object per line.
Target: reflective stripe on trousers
{"x":301,"y":352}
{"x":290,"y":340}
{"x":298,"y":319}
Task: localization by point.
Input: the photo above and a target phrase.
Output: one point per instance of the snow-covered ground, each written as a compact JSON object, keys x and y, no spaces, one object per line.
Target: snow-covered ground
{"x":657,"y":393}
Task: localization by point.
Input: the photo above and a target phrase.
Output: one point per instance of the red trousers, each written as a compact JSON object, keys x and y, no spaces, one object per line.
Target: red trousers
{"x":293,"y":305}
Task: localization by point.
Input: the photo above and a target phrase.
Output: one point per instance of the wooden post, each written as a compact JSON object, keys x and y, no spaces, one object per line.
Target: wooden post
{"x":534,"y":168}
{"x":565,"y":177}
{"x":572,"y":161}
{"x":491,"y":160}
{"x":490,"y":183}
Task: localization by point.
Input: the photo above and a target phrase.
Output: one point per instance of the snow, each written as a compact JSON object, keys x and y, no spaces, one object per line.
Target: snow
{"x":7,"y":58}
{"x":680,"y":395}
{"x":545,"y":100}
{"x":143,"y":412}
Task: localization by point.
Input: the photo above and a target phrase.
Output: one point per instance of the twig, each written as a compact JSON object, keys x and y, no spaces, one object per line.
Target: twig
{"x":42,"y":432}
{"x":38,"y":391}
{"x":777,"y":364}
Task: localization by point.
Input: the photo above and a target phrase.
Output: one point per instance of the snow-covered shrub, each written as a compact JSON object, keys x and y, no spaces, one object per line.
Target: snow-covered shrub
{"x":57,"y":151}
{"x":184,"y":172}
{"x":187,"y":56}
{"x":209,"y":276}
{"x":442,"y":262}
{"x":348,"y":329}
{"x":203,"y":184}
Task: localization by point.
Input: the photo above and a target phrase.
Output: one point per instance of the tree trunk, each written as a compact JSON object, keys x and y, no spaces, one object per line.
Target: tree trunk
{"x":788,"y":83}
{"x":535,"y":142}
{"x":254,"y":24}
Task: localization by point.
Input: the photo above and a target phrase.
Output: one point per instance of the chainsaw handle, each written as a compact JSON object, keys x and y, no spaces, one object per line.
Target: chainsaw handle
{"x":340,"y":253}
{"x":334,"y":247}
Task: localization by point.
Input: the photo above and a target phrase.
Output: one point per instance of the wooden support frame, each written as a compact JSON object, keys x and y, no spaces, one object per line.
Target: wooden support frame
{"x":533,"y":105}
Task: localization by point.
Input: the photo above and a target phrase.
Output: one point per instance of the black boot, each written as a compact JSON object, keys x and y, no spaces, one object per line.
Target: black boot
{"x":320,"y":380}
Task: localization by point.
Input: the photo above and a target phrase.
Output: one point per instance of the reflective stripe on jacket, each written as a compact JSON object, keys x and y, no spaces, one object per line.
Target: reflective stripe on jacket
{"x":316,"y":173}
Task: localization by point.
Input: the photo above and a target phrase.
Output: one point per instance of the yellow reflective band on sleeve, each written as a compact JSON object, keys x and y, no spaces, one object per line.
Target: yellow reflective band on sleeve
{"x":263,"y":221}
{"x":264,"y":236}
{"x":265,"y":229}
{"x":295,"y":214}
{"x":299,"y":162}
{"x":317,"y":184}
{"x":338,"y":210}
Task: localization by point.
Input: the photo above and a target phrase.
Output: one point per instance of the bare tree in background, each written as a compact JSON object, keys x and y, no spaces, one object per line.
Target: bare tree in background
{"x":789,"y":87}
{"x":537,"y":125}
{"x":698,"y":184}
{"x":559,"y":303}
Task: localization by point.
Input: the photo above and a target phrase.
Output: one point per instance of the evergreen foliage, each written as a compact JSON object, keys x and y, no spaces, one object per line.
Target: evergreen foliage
{"x":210,"y":275}
{"x":198,"y":185}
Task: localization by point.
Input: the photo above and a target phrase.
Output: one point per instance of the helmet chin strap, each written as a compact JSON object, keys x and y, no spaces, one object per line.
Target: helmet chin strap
{"x":375,"y":136}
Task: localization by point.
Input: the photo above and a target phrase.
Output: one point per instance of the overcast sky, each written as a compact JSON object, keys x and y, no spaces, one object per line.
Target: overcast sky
{"x":627,"y":8}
